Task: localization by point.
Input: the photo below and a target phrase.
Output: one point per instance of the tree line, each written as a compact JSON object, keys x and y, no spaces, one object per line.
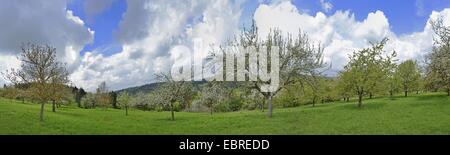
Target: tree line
{"x":370,"y":72}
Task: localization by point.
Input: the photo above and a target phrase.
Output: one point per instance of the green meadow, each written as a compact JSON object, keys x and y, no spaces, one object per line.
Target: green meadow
{"x":418,"y":114}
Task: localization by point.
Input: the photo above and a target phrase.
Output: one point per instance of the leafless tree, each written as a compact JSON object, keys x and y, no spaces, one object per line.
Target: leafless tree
{"x":41,"y":70}
{"x":102,"y":95}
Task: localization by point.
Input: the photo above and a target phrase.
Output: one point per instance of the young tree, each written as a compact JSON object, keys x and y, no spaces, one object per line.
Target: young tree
{"x":212,"y":94}
{"x":439,"y":58}
{"x":409,"y":75}
{"x":171,"y":92}
{"x":366,"y":68}
{"x":124,"y":101}
{"x":41,"y":70}
{"x":299,"y":60}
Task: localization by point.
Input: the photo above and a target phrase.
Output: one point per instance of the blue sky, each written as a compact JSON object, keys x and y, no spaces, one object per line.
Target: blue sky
{"x":104,"y":25}
{"x":405,"y":16}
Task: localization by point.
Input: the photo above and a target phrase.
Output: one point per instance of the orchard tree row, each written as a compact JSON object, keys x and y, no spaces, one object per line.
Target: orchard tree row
{"x":370,"y":72}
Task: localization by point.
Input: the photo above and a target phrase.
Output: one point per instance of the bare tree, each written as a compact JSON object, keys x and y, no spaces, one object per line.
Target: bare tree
{"x":102,"y":95}
{"x":41,"y":70}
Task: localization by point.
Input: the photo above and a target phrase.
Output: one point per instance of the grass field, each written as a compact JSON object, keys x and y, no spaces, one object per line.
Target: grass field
{"x":420,"y":114}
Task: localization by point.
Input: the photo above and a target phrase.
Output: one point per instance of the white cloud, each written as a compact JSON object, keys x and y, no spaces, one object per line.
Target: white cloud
{"x":7,"y":62}
{"x":148,"y":42}
{"x":149,"y":31}
{"x":417,"y":44}
{"x":154,"y":34}
{"x":43,"y":22}
{"x":341,"y":34}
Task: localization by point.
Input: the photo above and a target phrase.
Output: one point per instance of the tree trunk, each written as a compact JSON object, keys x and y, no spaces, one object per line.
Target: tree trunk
{"x":261,"y":107}
{"x":448,"y":92}
{"x":370,"y":95}
{"x":391,"y":93}
{"x":53,"y":106}
{"x":126,"y":110}
{"x":41,"y":114}
{"x":210,"y":111}
{"x":269,"y":114}
{"x":360,"y":96}
{"x":171,"y":110}
{"x":78,"y":100}
{"x":406,"y":93}
{"x":314,"y":101}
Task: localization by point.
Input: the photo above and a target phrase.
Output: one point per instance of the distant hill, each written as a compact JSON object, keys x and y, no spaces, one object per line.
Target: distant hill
{"x":147,"y":88}
{"x":141,"y":89}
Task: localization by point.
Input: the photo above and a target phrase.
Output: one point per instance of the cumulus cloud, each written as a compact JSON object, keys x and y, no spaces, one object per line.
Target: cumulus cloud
{"x":156,"y":34}
{"x":341,"y":34}
{"x":149,"y":32}
{"x":43,"y":22}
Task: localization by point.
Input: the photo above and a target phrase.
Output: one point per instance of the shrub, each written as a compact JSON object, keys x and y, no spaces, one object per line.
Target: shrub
{"x":88,"y":101}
